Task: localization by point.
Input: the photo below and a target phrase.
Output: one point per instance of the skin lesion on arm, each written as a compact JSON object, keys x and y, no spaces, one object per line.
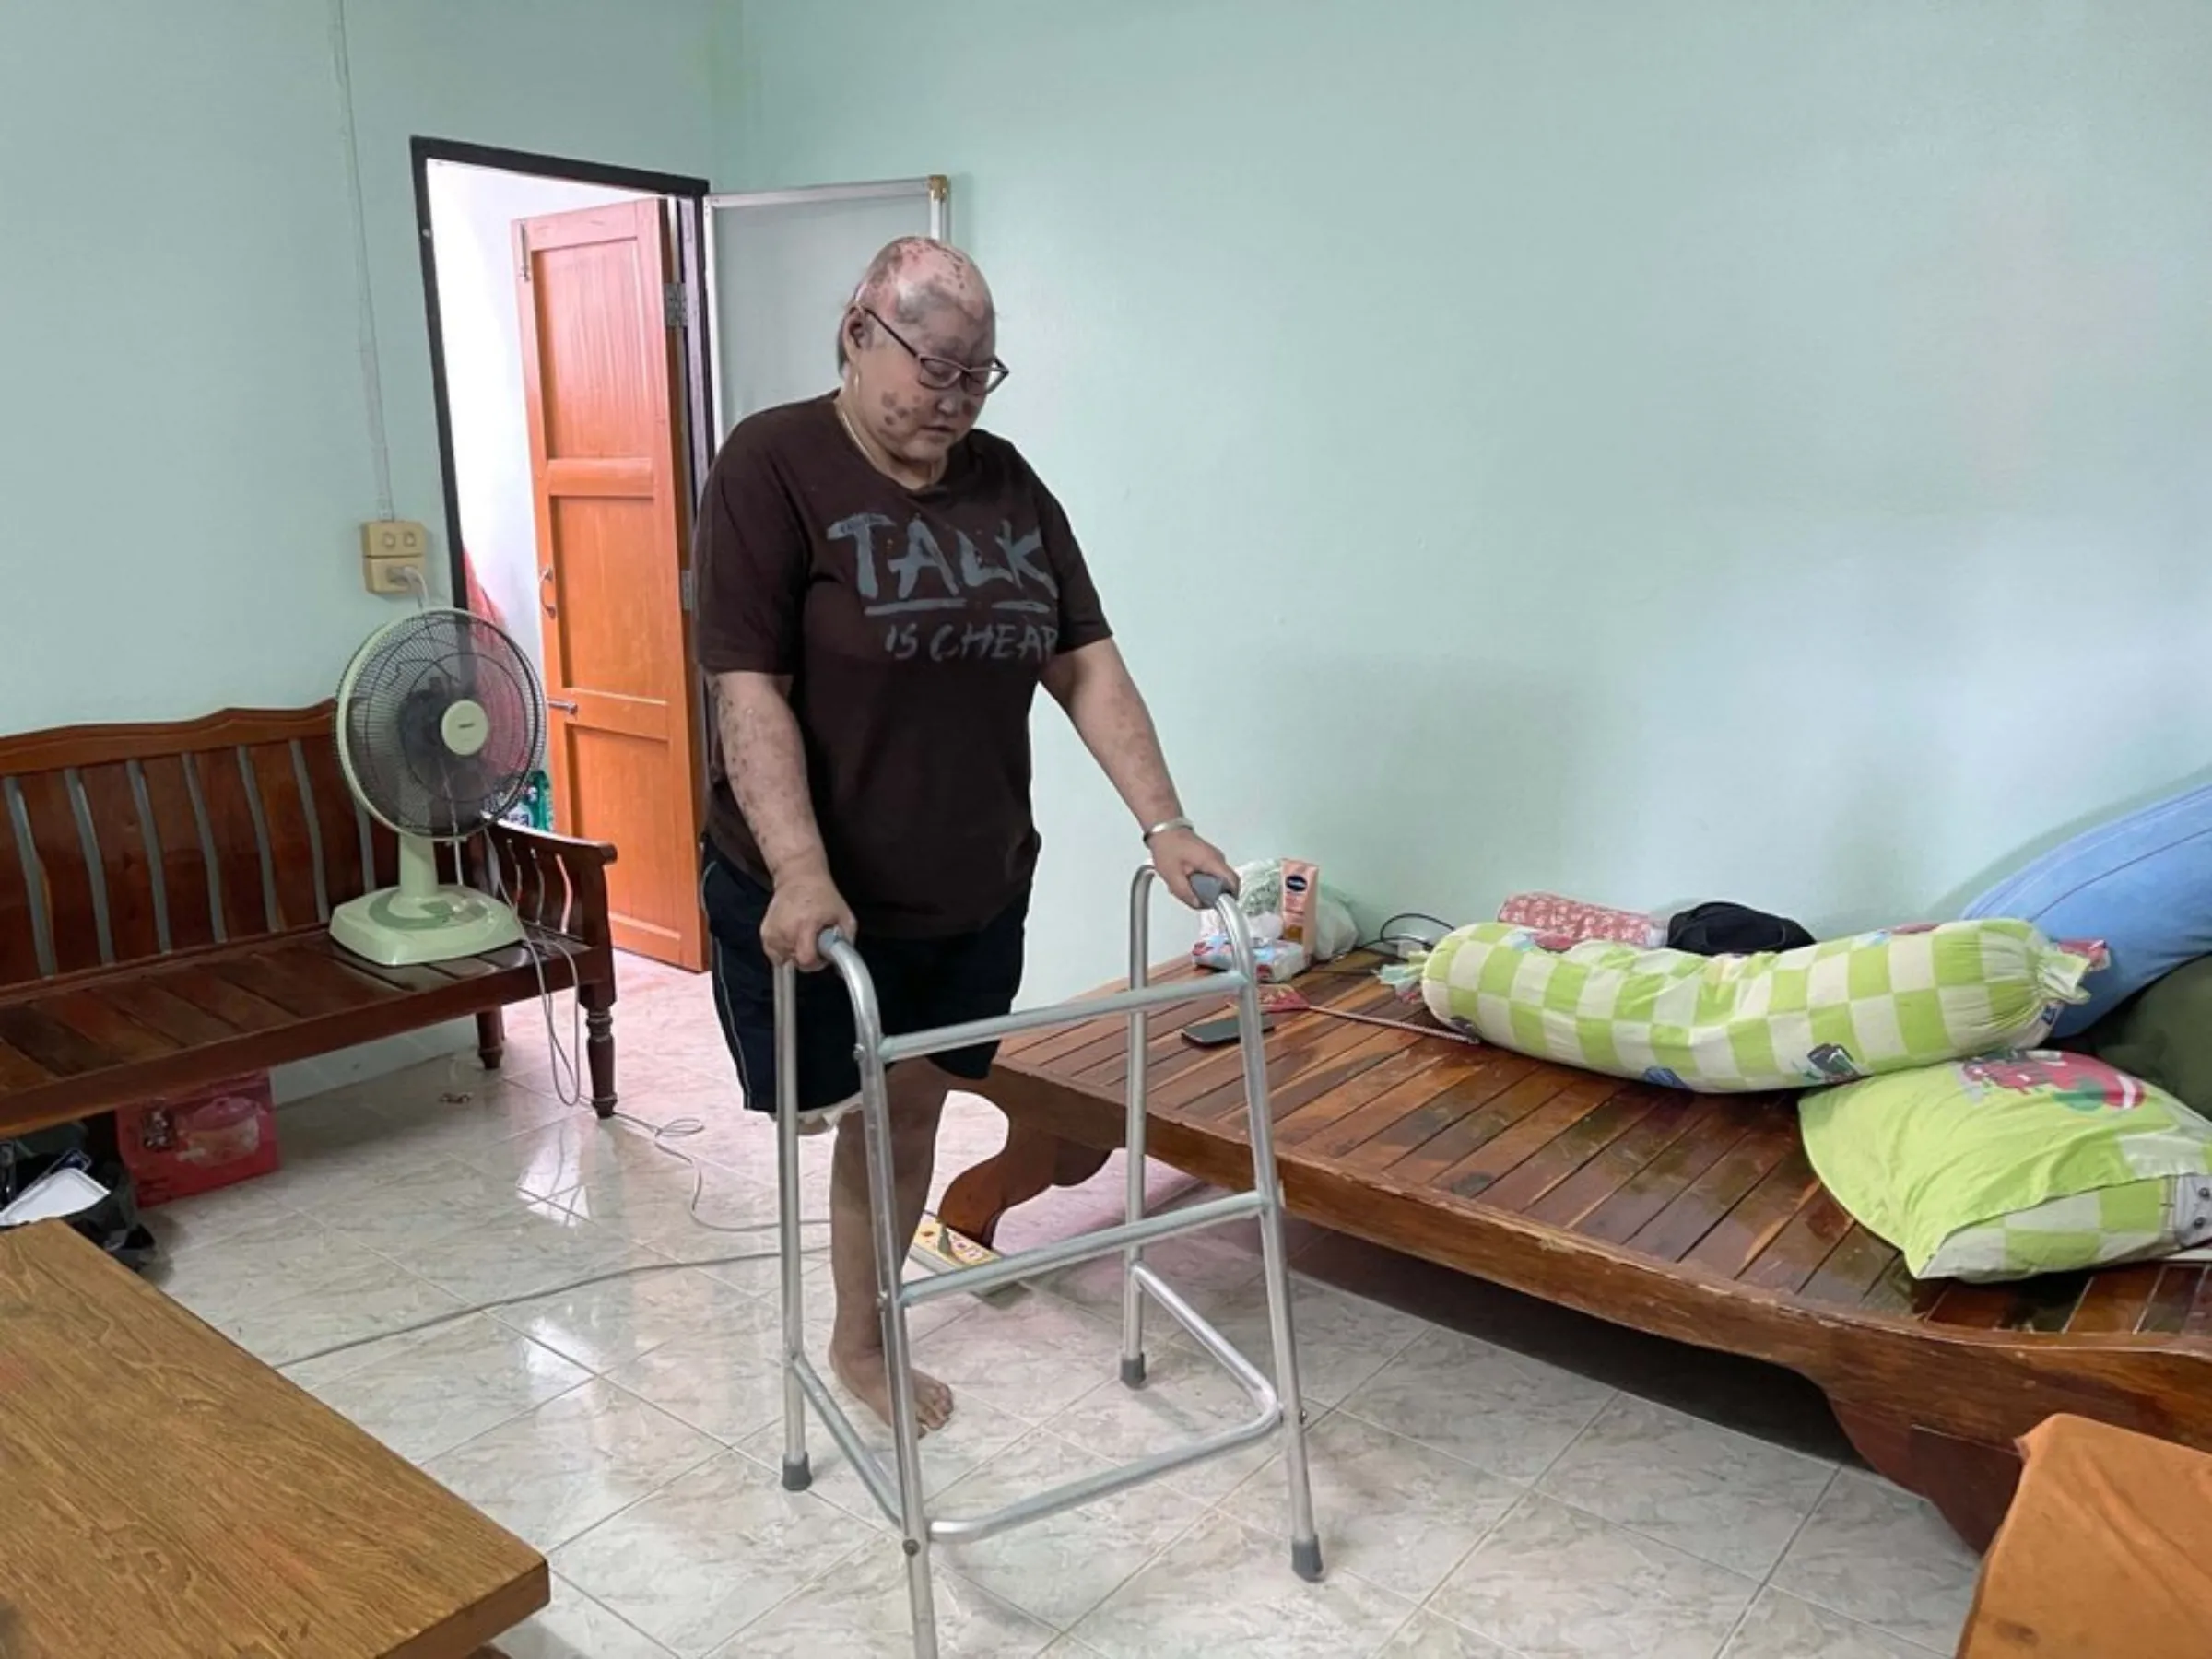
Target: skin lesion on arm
{"x":1094,"y":687}
{"x":766,"y":759}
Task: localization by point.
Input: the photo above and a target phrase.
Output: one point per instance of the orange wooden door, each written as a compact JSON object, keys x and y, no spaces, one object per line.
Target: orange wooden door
{"x":600,"y":382}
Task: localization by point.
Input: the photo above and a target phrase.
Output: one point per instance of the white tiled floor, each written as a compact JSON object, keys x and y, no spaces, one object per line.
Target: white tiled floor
{"x":1486,"y":1487}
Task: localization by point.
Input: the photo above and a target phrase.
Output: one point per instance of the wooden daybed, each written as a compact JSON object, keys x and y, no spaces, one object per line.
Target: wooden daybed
{"x":1692,"y":1217}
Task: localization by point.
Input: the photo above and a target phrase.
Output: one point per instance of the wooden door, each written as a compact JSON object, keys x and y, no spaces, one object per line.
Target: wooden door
{"x":600,"y":382}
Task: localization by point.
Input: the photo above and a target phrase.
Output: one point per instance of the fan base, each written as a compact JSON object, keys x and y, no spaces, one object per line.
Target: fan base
{"x":398,"y":930}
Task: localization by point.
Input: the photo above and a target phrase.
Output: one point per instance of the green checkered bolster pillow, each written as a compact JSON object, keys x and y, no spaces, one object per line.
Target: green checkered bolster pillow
{"x":1856,"y":1008}
{"x":2015,"y":1165}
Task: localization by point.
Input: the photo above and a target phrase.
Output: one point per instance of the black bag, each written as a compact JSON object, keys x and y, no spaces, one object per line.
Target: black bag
{"x":112,"y":1223}
{"x":1732,"y":930}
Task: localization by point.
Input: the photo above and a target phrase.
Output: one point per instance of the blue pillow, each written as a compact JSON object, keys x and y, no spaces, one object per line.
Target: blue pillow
{"x":2143,"y":884}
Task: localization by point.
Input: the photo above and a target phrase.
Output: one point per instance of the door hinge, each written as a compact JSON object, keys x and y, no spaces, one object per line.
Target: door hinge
{"x":688,"y":586}
{"x":676,"y":303}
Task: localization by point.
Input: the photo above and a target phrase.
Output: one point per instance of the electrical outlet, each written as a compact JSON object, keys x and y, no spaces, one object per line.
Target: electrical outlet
{"x":393,"y":576}
{"x":390,"y":549}
{"x":394,"y":539}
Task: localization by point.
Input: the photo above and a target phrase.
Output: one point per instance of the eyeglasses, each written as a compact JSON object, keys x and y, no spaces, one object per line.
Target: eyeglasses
{"x":941,"y":373}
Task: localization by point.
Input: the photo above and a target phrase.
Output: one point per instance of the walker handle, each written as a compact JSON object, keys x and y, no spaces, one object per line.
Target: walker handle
{"x":1209,"y":890}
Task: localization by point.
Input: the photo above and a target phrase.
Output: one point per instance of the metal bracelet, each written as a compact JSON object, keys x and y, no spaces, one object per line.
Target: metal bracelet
{"x":1165,"y":825}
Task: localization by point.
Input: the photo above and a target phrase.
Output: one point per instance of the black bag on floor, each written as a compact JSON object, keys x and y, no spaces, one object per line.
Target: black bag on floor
{"x":112,"y":1223}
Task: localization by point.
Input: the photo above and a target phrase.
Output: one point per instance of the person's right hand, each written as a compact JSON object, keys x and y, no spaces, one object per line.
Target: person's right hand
{"x":806,"y":903}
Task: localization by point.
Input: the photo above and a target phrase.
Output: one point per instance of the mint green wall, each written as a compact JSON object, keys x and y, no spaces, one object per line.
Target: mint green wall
{"x":183,"y":438}
{"x":1749,"y":448}
{"x":1705,"y":446}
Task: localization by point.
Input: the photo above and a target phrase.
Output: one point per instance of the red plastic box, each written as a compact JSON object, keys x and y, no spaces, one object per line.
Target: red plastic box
{"x":192,"y":1144}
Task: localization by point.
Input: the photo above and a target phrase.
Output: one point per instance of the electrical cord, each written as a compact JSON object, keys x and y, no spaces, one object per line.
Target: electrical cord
{"x":1394,"y":942}
{"x":568,"y":1087}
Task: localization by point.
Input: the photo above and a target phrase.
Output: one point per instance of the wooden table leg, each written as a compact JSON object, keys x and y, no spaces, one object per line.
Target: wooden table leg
{"x":1031,"y":1160}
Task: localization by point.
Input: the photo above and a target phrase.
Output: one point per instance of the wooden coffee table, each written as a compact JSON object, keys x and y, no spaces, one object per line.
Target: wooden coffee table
{"x":165,"y":1495}
{"x":2106,"y":1553}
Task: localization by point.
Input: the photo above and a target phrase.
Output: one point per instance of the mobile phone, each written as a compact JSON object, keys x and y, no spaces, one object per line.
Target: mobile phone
{"x":1218,"y":1033}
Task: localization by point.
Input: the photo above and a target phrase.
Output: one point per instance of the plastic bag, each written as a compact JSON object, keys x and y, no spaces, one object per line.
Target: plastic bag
{"x":1260,"y":895}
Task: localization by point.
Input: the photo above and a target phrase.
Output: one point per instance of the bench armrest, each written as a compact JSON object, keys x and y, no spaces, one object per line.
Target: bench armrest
{"x":554,"y":881}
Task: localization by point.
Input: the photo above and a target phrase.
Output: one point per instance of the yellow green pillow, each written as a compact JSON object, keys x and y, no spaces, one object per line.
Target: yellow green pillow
{"x":2014,"y":1165}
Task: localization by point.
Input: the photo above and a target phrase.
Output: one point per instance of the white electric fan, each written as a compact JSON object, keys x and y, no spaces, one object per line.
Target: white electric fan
{"x":441,"y":723}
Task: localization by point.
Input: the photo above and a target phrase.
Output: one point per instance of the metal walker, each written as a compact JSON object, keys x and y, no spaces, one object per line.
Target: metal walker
{"x":900,"y":1492}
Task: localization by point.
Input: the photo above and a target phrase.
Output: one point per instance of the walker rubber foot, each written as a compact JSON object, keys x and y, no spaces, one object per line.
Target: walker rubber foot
{"x":1132,"y":1373}
{"x":1305,"y":1559}
{"x":797,"y":1475}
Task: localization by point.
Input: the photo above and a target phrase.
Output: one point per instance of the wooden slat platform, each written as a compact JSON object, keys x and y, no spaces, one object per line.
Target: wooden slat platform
{"x":1692,"y":1217}
{"x":200,"y":1016}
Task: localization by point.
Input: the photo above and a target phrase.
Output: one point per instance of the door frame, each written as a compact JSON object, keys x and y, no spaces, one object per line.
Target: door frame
{"x":687,"y":194}
{"x":936,"y":188}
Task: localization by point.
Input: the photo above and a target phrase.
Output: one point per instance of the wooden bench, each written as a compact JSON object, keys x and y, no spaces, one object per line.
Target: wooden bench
{"x":1692,"y":1217}
{"x":164,"y":892}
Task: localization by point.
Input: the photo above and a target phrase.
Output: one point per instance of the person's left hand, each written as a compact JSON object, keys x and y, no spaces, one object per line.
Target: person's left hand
{"x":1179,"y":854}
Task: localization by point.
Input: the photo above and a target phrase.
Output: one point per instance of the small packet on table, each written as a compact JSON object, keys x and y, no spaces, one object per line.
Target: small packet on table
{"x":1278,"y":959}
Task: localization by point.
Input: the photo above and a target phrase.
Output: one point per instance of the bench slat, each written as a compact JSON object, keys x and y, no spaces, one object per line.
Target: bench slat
{"x":1328,"y":1055}
{"x":184,"y":852}
{"x":62,"y":1051}
{"x":107,"y":1028}
{"x":2047,"y":1302}
{"x":1406,"y":1081}
{"x":553,"y":907}
{"x":1506,"y":1107}
{"x":19,"y":1070}
{"x":1495,"y":1073}
{"x":1803,"y":1247}
{"x":1647,"y":1192}
{"x":1622,"y":1160}
{"x":151,"y":1004}
{"x":338,"y":821}
{"x":1707,"y":1201}
{"x":72,"y":919}
{"x":290,"y":834}
{"x":1975,"y":1307}
{"x":200,"y":985}
{"x":424,"y":977}
{"x":239,"y":857}
{"x":322,"y":960}
{"x":1851,"y":1268}
{"x":1753,"y":1222}
{"x":1503,"y":1153}
{"x":127,"y":866}
{"x":18,"y":931}
{"x":1555,"y":1163}
{"x":2114,"y":1302}
{"x":299,"y":994}
{"x":2171,"y":1299}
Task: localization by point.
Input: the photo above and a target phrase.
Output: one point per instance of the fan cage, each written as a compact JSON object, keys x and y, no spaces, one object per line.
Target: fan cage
{"x":391,"y":716}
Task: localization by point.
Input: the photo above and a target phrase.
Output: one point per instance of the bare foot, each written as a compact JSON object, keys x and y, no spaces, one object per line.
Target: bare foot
{"x":863,"y":1370}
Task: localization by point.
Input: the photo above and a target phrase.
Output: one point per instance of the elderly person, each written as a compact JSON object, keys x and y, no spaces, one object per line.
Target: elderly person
{"x":882,"y":588}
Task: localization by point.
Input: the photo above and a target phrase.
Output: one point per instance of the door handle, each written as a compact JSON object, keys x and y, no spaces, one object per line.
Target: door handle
{"x":565,"y":706}
{"x":544,"y":578}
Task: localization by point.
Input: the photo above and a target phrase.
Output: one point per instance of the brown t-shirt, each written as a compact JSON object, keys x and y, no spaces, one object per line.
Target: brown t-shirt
{"x":915,"y":626}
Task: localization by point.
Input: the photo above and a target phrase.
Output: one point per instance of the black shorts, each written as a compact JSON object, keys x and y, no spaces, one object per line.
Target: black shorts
{"x":920,"y":985}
